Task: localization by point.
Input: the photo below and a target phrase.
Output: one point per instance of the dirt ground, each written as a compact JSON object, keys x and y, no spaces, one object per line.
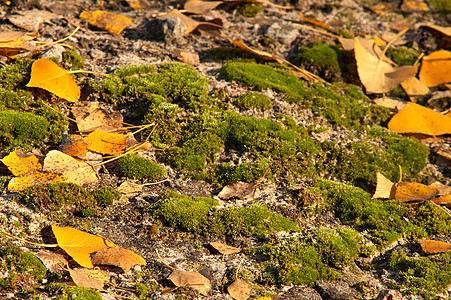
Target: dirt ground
{"x":129,"y":222}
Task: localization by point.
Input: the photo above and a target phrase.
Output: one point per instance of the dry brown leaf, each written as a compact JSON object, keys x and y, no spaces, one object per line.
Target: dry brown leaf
{"x":239,"y":289}
{"x":195,"y":280}
{"x":415,"y":118}
{"x":392,"y":104}
{"x":200,"y":7}
{"x":90,"y":117}
{"x":413,"y":6}
{"x":388,"y":36}
{"x":46,"y":74}
{"x":74,"y":145}
{"x":31,"y":19}
{"x":377,"y":75}
{"x":15,"y":42}
{"x":415,"y":89}
{"x":20,"y":164}
{"x":75,"y":171}
{"x":113,"y":23}
{"x":54,"y":262}
{"x":188,"y":57}
{"x":443,"y":200}
{"x":413,"y":192}
{"x":436,"y":68}
{"x":190,"y":24}
{"x":442,"y":189}
{"x":80,"y":245}
{"x":107,"y":143}
{"x":433,"y":247}
{"x":17,"y":184}
{"x":224,"y":249}
{"x":93,"y":279}
{"x":238,"y":189}
{"x":384,"y":187}
{"x":117,"y":256}
{"x":128,"y":187}
{"x":381,"y":9}
{"x":444,"y":30}
{"x":260,"y":53}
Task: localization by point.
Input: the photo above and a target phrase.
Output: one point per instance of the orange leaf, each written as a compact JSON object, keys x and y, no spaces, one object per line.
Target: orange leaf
{"x":113,"y":23}
{"x":240,"y":289}
{"x":20,"y":164}
{"x":200,"y":7}
{"x":410,"y":191}
{"x":415,"y":118}
{"x":90,"y":117}
{"x":436,"y":68}
{"x":80,"y":245}
{"x":433,"y":247}
{"x":74,"y":145}
{"x":443,"y":200}
{"x":47,"y":75}
{"x":117,"y":256}
{"x":107,"y":143}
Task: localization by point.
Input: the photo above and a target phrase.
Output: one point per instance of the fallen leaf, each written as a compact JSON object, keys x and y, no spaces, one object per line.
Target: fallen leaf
{"x":436,"y":68}
{"x":20,"y":164}
{"x":224,"y":249}
{"x":443,"y":200}
{"x":107,"y":143}
{"x":392,"y":104}
{"x":240,"y":289}
{"x":17,"y":184}
{"x":442,"y":189}
{"x":260,"y":53}
{"x":415,"y":118}
{"x":433,"y":247}
{"x":384,"y":187}
{"x":54,"y":262}
{"x":188,"y":57}
{"x":200,"y":7}
{"x":381,"y":9}
{"x":139,"y":4}
{"x":377,"y":75}
{"x":93,"y":279}
{"x":128,"y":187}
{"x":80,"y":245}
{"x":411,"y":191}
{"x":31,"y":19}
{"x":46,"y":74}
{"x":15,"y":42}
{"x":74,"y":145}
{"x":117,"y":256}
{"x":73,"y":170}
{"x":413,"y":6}
{"x":444,"y":30}
{"x":113,"y":23}
{"x":194,"y":280}
{"x":415,"y":89}
{"x":90,"y":117}
{"x":238,"y":189}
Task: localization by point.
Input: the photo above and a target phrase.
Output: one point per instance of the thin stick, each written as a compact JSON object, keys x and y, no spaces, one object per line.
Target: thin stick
{"x":316,"y":30}
{"x":153,"y":183}
{"x":23,"y":240}
{"x":88,"y":72}
{"x":156,"y":250}
{"x":62,"y":40}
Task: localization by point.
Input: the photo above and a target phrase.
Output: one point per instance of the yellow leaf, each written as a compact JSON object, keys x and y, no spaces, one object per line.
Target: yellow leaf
{"x":113,"y":23}
{"x":376,"y":74}
{"x":107,"y":143}
{"x":436,"y":68}
{"x":17,"y":184}
{"x":415,"y":118}
{"x":414,"y":88}
{"x":47,"y":75}
{"x":80,"y":245}
{"x":117,"y":256}
{"x":20,"y":164}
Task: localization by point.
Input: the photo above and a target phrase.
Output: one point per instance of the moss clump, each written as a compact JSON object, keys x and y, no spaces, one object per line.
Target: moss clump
{"x":253,"y":99}
{"x":320,"y":59}
{"x":401,"y":56}
{"x":73,"y":59}
{"x":177,"y":83}
{"x":423,"y":275}
{"x":134,"y":166}
{"x":442,"y":6}
{"x":247,"y":172}
{"x":106,"y":196}
{"x":57,"y":197}
{"x":21,"y":130}
{"x":141,"y":290}
{"x":250,"y":10}
{"x":348,"y":107}
{"x":187,"y":213}
{"x":65,"y":292}
{"x":22,"y":270}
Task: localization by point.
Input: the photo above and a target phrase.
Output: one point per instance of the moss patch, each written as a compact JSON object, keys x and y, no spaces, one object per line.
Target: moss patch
{"x":23,"y":270}
{"x":134,"y":166}
{"x":106,"y":196}
{"x":65,"y":292}
{"x":320,"y":59}
{"x":253,"y":100}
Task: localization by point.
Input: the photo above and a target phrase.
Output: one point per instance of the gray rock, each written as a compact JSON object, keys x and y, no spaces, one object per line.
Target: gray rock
{"x":335,"y":290}
{"x":300,"y":293}
{"x":166,"y":29}
{"x":390,"y":295}
{"x":284,"y":34}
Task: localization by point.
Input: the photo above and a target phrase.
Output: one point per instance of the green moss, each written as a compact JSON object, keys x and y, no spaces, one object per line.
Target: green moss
{"x":134,"y":166}
{"x":442,"y":6}
{"x":247,"y":172}
{"x":73,"y":59}
{"x":185,"y":212}
{"x":423,"y":275}
{"x":22,"y":130}
{"x":57,"y":197}
{"x":89,"y":212}
{"x":253,"y":99}
{"x":432,"y":219}
{"x":22,"y":270}
{"x":402,"y":56}
{"x":106,"y":196}
{"x":66,"y":292}
{"x":250,"y":10}
{"x":320,"y":59}
{"x":177,"y":83}
{"x":141,"y":290}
